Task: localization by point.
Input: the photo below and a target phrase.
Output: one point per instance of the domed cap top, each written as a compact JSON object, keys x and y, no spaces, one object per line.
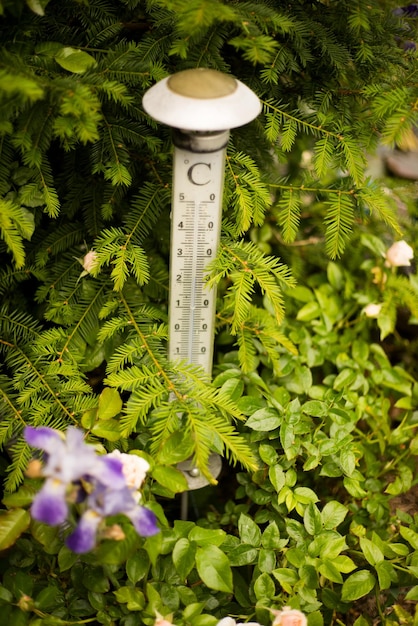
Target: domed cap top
{"x":201,"y":99}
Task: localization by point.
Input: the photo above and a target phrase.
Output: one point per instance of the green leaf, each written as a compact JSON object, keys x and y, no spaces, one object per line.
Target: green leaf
{"x":133,"y":598}
{"x":287,"y":578}
{"x":73,"y":60}
{"x":12,"y":525}
{"x":94,"y":579}
{"x":6,"y":597}
{"x":344,"y":379}
{"x":242,"y":554}
{"x":38,"y":6}
{"x":316,"y":408}
{"x":207,"y":536}
{"x":184,"y":554}
{"x":66,"y":558}
{"x":110,"y":404}
{"x":333,"y":514}
{"x":22,"y":497}
{"x":137,"y":566}
{"x":386,"y":574}
{"x":328,"y":569}
{"x":89,"y":418}
{"x":344,"y":564}
{"x":170,"y":477}
{"x":412,"y":594}
{"x":410,"y":535}
{"x":193,"y":610}
{"x":312,"y":519}
{"x":177,"y":447}
{"x":266,"y":560}
{"x":310,"y":311}
{"x":271,"y":537}
{"x":264,"y":587}
{"x":214,"y":568}
{"x":357,"y":585}
{"x":264,"y":420}
{"x":371,"y":551}
{"x":277,"y":477}
{"x":249,"y":531}
{"x":109,"y":429}
{"x":305,"y":495}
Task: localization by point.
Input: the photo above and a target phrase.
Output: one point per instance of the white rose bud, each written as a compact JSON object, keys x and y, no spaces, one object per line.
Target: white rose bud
{"x":289,"y":617}
{"x":134,"y":468}
{"x":89,"y":261}
{"x":399,"y":255}
{"x":372,"y":310}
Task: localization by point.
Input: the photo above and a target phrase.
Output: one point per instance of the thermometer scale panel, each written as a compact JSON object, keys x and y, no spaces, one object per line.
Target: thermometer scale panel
{"x":195,"y":233}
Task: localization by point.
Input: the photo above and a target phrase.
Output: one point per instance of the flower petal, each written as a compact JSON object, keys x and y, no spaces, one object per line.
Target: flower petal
{"x":107,"y":501}
{"x":144,"y":521}
{"x":111,"y":473}
{"x":49,"y":505}
{"x":43,"y":438}
{"x":83,"y":539}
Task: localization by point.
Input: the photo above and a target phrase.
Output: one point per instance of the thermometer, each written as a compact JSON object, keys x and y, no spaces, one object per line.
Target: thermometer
{"x":201,"y":105}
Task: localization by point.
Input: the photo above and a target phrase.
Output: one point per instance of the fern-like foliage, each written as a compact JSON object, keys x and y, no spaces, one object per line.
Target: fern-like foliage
{"x":37,"y":387}
{"x":84,"y":170}
{"x":159,"y":389}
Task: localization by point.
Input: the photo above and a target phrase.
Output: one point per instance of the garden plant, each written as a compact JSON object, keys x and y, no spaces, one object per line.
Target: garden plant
{"x":313,"y":403}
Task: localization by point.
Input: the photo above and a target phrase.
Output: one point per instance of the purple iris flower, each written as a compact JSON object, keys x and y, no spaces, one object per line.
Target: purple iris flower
{"x":75,"y":472}
{"x":103,"y":502}
{"x":67,"y":461}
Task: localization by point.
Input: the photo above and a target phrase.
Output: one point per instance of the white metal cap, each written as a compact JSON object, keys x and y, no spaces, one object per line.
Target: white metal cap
{"x":201,"y":99}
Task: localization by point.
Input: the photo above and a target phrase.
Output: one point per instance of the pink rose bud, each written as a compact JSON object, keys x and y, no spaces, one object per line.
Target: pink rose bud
{"x":399,"y":255}
{"x":289,"y":617}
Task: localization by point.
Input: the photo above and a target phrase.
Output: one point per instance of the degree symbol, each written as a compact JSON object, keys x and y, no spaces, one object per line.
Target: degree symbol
{"x":186,"y":161}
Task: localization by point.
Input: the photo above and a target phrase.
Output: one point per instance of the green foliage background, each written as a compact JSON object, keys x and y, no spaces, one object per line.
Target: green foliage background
{"x":305,"y":400}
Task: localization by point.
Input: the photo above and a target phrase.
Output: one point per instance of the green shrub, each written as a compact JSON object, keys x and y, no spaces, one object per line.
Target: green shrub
{"x":313,"y":403}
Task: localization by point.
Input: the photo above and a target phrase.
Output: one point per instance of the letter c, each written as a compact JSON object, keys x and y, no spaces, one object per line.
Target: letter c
{"x":197,"y":176}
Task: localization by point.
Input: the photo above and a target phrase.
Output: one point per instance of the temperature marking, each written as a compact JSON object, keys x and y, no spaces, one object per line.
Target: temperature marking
{"x":195,"y":233}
